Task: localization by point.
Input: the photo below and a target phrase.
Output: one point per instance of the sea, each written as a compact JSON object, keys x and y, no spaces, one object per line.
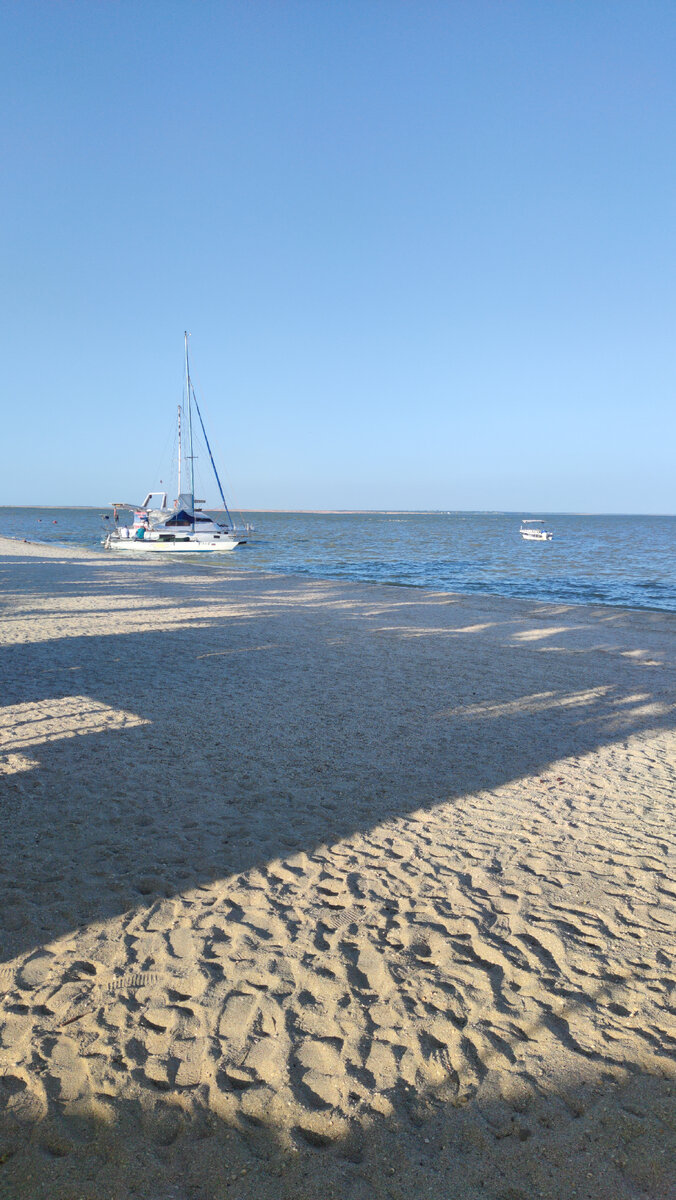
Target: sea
{"x":592,"y":559}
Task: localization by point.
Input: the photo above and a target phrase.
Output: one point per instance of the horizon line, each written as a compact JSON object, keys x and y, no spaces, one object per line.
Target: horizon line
{"x":487,"y":512}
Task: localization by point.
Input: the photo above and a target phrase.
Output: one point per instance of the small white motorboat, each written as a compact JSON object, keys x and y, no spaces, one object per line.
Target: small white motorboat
{"x":533,"y":530}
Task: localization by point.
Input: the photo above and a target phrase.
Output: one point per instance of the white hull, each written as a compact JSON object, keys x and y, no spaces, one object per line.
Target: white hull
{"x":134,"y":545}
{"x":533,"y":536}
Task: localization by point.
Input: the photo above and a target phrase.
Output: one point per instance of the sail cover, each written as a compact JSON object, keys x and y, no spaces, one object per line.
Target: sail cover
{"x":186,"y":503}
{"x":184,"y":511}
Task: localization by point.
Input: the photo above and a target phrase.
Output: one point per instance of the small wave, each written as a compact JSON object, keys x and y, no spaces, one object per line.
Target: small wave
{"x":615,"y":561}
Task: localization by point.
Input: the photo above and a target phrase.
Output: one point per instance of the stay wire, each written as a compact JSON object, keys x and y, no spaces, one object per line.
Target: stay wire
{"x":235,"y":506}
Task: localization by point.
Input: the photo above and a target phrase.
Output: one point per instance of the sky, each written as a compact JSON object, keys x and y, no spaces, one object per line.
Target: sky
{"x":425,"y":250}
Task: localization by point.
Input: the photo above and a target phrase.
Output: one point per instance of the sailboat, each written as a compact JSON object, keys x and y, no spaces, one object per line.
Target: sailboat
{"x":184,"y":528}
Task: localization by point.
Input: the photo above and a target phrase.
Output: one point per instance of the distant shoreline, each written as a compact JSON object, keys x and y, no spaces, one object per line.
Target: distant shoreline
{"x":518,"y":513}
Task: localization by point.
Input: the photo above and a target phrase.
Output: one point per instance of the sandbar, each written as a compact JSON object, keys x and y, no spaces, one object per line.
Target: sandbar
{"x":318,"y":889}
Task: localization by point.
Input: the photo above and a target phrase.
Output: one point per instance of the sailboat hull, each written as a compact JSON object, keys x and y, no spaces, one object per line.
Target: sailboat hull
{"x":179,"y":546}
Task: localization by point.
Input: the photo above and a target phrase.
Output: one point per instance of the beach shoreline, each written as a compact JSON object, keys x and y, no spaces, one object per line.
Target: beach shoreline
{"x":263,"y":573}
{"x":621,"y":562}
{"x":322,"y":888}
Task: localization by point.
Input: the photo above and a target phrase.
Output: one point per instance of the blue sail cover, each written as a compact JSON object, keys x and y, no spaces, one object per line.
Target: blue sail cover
{"x":186,"y":502}
{"x":185,"y":511}
{"x":179,"y":518}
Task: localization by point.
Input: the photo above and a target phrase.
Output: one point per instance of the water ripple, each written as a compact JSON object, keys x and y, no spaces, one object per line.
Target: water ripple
{"x":616,"y":560}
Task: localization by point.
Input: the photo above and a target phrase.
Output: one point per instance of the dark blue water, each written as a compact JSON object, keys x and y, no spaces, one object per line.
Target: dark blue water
{"x":619,"y":560}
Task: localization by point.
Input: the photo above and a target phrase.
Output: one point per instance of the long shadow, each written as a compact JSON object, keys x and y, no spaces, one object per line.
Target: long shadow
{"x":265,"y":719}
{"x":611,"y":1140}
{"x":294,"y":724}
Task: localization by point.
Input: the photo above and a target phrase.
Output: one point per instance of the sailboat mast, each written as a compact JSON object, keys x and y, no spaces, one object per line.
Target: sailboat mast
{"x":191,"y":457}
{"x":179,"y":451}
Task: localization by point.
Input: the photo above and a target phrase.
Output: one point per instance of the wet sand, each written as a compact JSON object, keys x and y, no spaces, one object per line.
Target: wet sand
{"x":331,"y":890}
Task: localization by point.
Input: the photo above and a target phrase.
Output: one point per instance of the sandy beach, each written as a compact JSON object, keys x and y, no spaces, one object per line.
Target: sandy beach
{"x":317,"y":890}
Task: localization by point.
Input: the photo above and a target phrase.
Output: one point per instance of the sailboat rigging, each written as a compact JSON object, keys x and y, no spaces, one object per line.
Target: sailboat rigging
{"x":183,"y":528}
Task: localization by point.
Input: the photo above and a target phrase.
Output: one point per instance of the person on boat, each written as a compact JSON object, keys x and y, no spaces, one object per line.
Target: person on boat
{"x":141,"y":531}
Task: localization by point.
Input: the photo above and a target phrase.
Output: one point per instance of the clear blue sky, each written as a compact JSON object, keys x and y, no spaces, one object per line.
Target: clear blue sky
{"x":425,"y":250}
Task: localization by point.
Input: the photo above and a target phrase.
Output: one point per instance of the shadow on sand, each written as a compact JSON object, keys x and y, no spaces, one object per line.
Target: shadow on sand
{"x":612,"y":1140}
{"x":289,"y":717}
{"x":230,"y":723}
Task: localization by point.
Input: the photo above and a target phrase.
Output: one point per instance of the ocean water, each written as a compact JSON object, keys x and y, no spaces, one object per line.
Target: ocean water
{"x":616,"y":560}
